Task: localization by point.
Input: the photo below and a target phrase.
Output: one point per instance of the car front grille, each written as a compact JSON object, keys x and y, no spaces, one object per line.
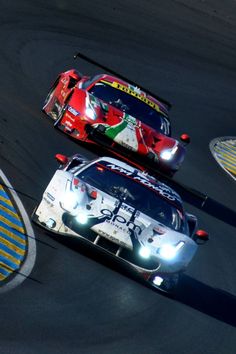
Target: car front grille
{"x":131,"y":256}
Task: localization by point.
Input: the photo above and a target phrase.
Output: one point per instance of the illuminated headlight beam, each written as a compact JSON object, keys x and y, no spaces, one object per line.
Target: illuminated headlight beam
{"x":157,"y":280}
{"x":169,"y":251}
{"x":82,"y":218}
{"x":70,"y":201}
{"x":168,"y":154}
{"x":144,"y":252}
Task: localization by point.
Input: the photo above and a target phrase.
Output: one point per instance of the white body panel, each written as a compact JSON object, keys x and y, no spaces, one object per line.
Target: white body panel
{"x":128,"y":138}
{"x":116,"y":226}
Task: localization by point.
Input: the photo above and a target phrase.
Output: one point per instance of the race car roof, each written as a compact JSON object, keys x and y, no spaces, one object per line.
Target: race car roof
{"x":148,"y":181}
{"x":126,"y":87}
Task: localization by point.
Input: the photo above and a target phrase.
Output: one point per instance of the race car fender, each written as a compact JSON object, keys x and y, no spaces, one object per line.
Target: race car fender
{"x":49,"y":207}
{"x":164,"y":236}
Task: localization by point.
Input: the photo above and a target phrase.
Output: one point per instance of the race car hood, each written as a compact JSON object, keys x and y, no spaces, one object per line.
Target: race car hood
{"x":116,"y":221}
{"x":133,"y":134}
{"x":68,"y":200}
{"x":132,"y":229}
{"x":121,"y":127}
{"x":124,"y":129}
{"x":156,"y":140}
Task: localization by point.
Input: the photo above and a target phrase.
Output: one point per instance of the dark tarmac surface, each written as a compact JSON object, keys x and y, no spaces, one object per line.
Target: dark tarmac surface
{"x":184,"y":51}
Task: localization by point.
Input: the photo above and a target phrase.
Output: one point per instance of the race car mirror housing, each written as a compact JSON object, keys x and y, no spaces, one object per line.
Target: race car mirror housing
{"x":201,"y":236}
{"x":185,"y":138}
{"x":62,"y":159}
{"x":93,"y":194}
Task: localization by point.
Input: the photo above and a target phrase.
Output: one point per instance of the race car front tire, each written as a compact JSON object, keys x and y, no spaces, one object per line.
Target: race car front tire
{"x":54,"y":109}
{"x":62,"y":111}
{"x":60,"y":116}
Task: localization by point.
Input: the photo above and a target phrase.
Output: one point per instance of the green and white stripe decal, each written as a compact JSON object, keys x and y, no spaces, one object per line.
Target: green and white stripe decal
{"x":113,"y":131}
{"x":224,"y":151}
{"x":124,"y":133}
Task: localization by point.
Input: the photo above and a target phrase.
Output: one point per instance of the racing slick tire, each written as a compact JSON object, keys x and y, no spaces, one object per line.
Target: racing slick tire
{"x":62,"y":111}
{"x":54,"y":110}
{"x":60,"y":116}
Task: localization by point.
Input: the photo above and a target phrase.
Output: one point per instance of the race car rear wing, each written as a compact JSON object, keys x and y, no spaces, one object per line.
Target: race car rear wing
{"x":167,"y":104}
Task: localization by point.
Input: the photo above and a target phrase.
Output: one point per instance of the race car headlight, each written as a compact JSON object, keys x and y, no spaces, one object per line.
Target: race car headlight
{"x":169,"y":252}
{"x":70,"y":201}
{"x":144,"y":252}
{"x":168,"y":154}
{"x":90,"y":113}
{"x":82,"y":218}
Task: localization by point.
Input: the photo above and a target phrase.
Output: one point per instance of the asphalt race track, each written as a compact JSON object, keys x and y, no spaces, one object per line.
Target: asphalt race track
{"x":73,"y":302}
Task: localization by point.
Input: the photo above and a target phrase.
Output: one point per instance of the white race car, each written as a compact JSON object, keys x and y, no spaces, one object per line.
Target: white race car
{"x":125,"y":212}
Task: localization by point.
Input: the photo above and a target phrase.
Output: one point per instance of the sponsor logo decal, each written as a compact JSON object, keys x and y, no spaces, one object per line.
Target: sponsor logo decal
{"x":64,"y":80}
{"x":160,"y":189}
{"x":119,"y":221}
{"x":68,"y":123}
{"x":73,"y":111}
{"x":130,"y":209}
{"x":114,"y":239}
{"x":50,"y":197}
{"x":134,"y":92}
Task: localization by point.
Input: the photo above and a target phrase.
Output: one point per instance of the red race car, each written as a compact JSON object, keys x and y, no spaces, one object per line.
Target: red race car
{"x":124,"y":118}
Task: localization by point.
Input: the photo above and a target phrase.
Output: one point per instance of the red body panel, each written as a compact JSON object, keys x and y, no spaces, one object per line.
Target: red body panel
{"x":72,"y":107}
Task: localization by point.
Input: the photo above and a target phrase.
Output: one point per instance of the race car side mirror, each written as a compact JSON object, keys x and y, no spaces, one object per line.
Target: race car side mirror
{"x":185,"y":138}
{"x":62,"y":159}
{"x":201,"y":236}
{"x":93,"y":194}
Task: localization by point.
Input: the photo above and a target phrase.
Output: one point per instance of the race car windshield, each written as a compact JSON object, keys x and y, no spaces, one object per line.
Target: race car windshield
{"x":132,"y":106}
{"x":134,"y":194}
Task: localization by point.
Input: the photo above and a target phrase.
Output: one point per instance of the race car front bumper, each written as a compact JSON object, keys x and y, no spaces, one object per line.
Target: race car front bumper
{"x":151,"y":271}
